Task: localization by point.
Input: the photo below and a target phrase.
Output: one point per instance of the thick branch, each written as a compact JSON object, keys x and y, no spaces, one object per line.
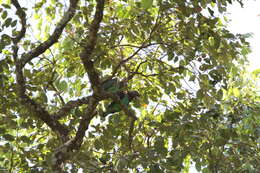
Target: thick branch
{"x":89,"y":114}
{"x":84,"y":123}
{"x":61,"y":153}
{"x":36,"y":108}
{"x":41,"y":113}
{"x":69,"y":106}
{"x":30,"y":104}
{"x":86,"y":53}
{"x":54,"y":36}
{"x":74,"y":144}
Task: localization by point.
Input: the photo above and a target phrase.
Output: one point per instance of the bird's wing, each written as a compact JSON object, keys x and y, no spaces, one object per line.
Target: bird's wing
{"x":125,"y":100}
{"x":110,"y":85}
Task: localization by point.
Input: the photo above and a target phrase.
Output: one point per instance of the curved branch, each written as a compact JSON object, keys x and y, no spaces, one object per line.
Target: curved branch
{"x":126,"y":60}
{"x":144,"y":75}
{"x":20,"y":12}
{"x":36,"y":108}
{"x":133,"y":73}
{"x":27,"y":57}
{"x":89,"y":46}
{"x":29,"y":103}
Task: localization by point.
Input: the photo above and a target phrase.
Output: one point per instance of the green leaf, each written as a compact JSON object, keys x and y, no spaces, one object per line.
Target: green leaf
{"x":155,"y":168}
{"x":62,"y":86}
{"x":4,"y":15}
{"x":256,"y":72}
{"x":2,"y":130}
{"x":236,"y":92}
{"x":43,"y":97}
{"x":25,"y":139}
{"x":13,"y":24}
{"x":200,"y":93}
{"x":98,"y":144}
{"x":198,"y":166}
{"x":7,"y":22}
{"x":146,"y":4}
{"x":8,"y":137}
{"x":7,"y":6}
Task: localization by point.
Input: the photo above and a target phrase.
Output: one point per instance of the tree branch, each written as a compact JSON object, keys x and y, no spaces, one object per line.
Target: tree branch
{"x":22,"y":16}
{"x":126,"y":60}
{"x":30,"y":104}
{"x":36,"y":108}
{"x":90,"y":112}
{"x":62,"y":153}
{"x":57,"y":93}
{"x":130,"y":132}
{"x":54,"y":36}
{"x":44,"y":116}
{"x":132,"y":74}
{"x":90,"y":44}
{"x":85,"y":55}
{"x":145,"y":75}
{"x":69,"y":106}
{"x":144,"y":45}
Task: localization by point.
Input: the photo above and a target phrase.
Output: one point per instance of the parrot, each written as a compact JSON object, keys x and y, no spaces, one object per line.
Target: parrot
{"x":112,"y":85}
{"x":125,"y":98}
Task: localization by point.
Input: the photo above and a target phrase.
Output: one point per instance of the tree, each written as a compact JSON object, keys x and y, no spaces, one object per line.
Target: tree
{"x":178,"y":55}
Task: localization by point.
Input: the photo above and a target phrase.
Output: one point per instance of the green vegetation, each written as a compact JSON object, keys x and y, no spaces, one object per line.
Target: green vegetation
{"x":197,"y":105}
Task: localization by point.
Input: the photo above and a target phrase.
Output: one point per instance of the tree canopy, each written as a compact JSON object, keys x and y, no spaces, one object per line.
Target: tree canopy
{"x":63,"y":63}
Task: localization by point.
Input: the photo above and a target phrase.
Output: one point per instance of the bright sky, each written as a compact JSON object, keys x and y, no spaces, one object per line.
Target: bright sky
{"x":247,"y":20}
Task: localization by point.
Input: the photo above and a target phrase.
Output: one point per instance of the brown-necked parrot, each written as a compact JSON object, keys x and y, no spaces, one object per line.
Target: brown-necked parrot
{"x":125,"y":98}
{"x":112,"y":85}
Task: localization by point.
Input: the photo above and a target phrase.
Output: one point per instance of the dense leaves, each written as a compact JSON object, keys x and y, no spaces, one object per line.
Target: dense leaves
{"x":197,"y":106}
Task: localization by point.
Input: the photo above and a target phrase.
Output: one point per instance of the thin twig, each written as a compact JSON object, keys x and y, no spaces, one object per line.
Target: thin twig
{"x":144,"y":45}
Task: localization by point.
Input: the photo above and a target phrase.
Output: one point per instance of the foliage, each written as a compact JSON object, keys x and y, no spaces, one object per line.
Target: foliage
{"x":197,"y":103}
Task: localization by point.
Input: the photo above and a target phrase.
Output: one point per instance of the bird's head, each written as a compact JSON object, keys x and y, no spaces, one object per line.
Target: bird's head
{"x":133,"y":94}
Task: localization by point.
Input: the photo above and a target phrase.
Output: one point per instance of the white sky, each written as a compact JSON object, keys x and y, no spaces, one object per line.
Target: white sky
{"x":247,"y":20}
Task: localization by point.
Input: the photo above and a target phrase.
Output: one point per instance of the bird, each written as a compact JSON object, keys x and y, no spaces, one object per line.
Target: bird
{"x":112,"y":85}
{"x":125,"y":98}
